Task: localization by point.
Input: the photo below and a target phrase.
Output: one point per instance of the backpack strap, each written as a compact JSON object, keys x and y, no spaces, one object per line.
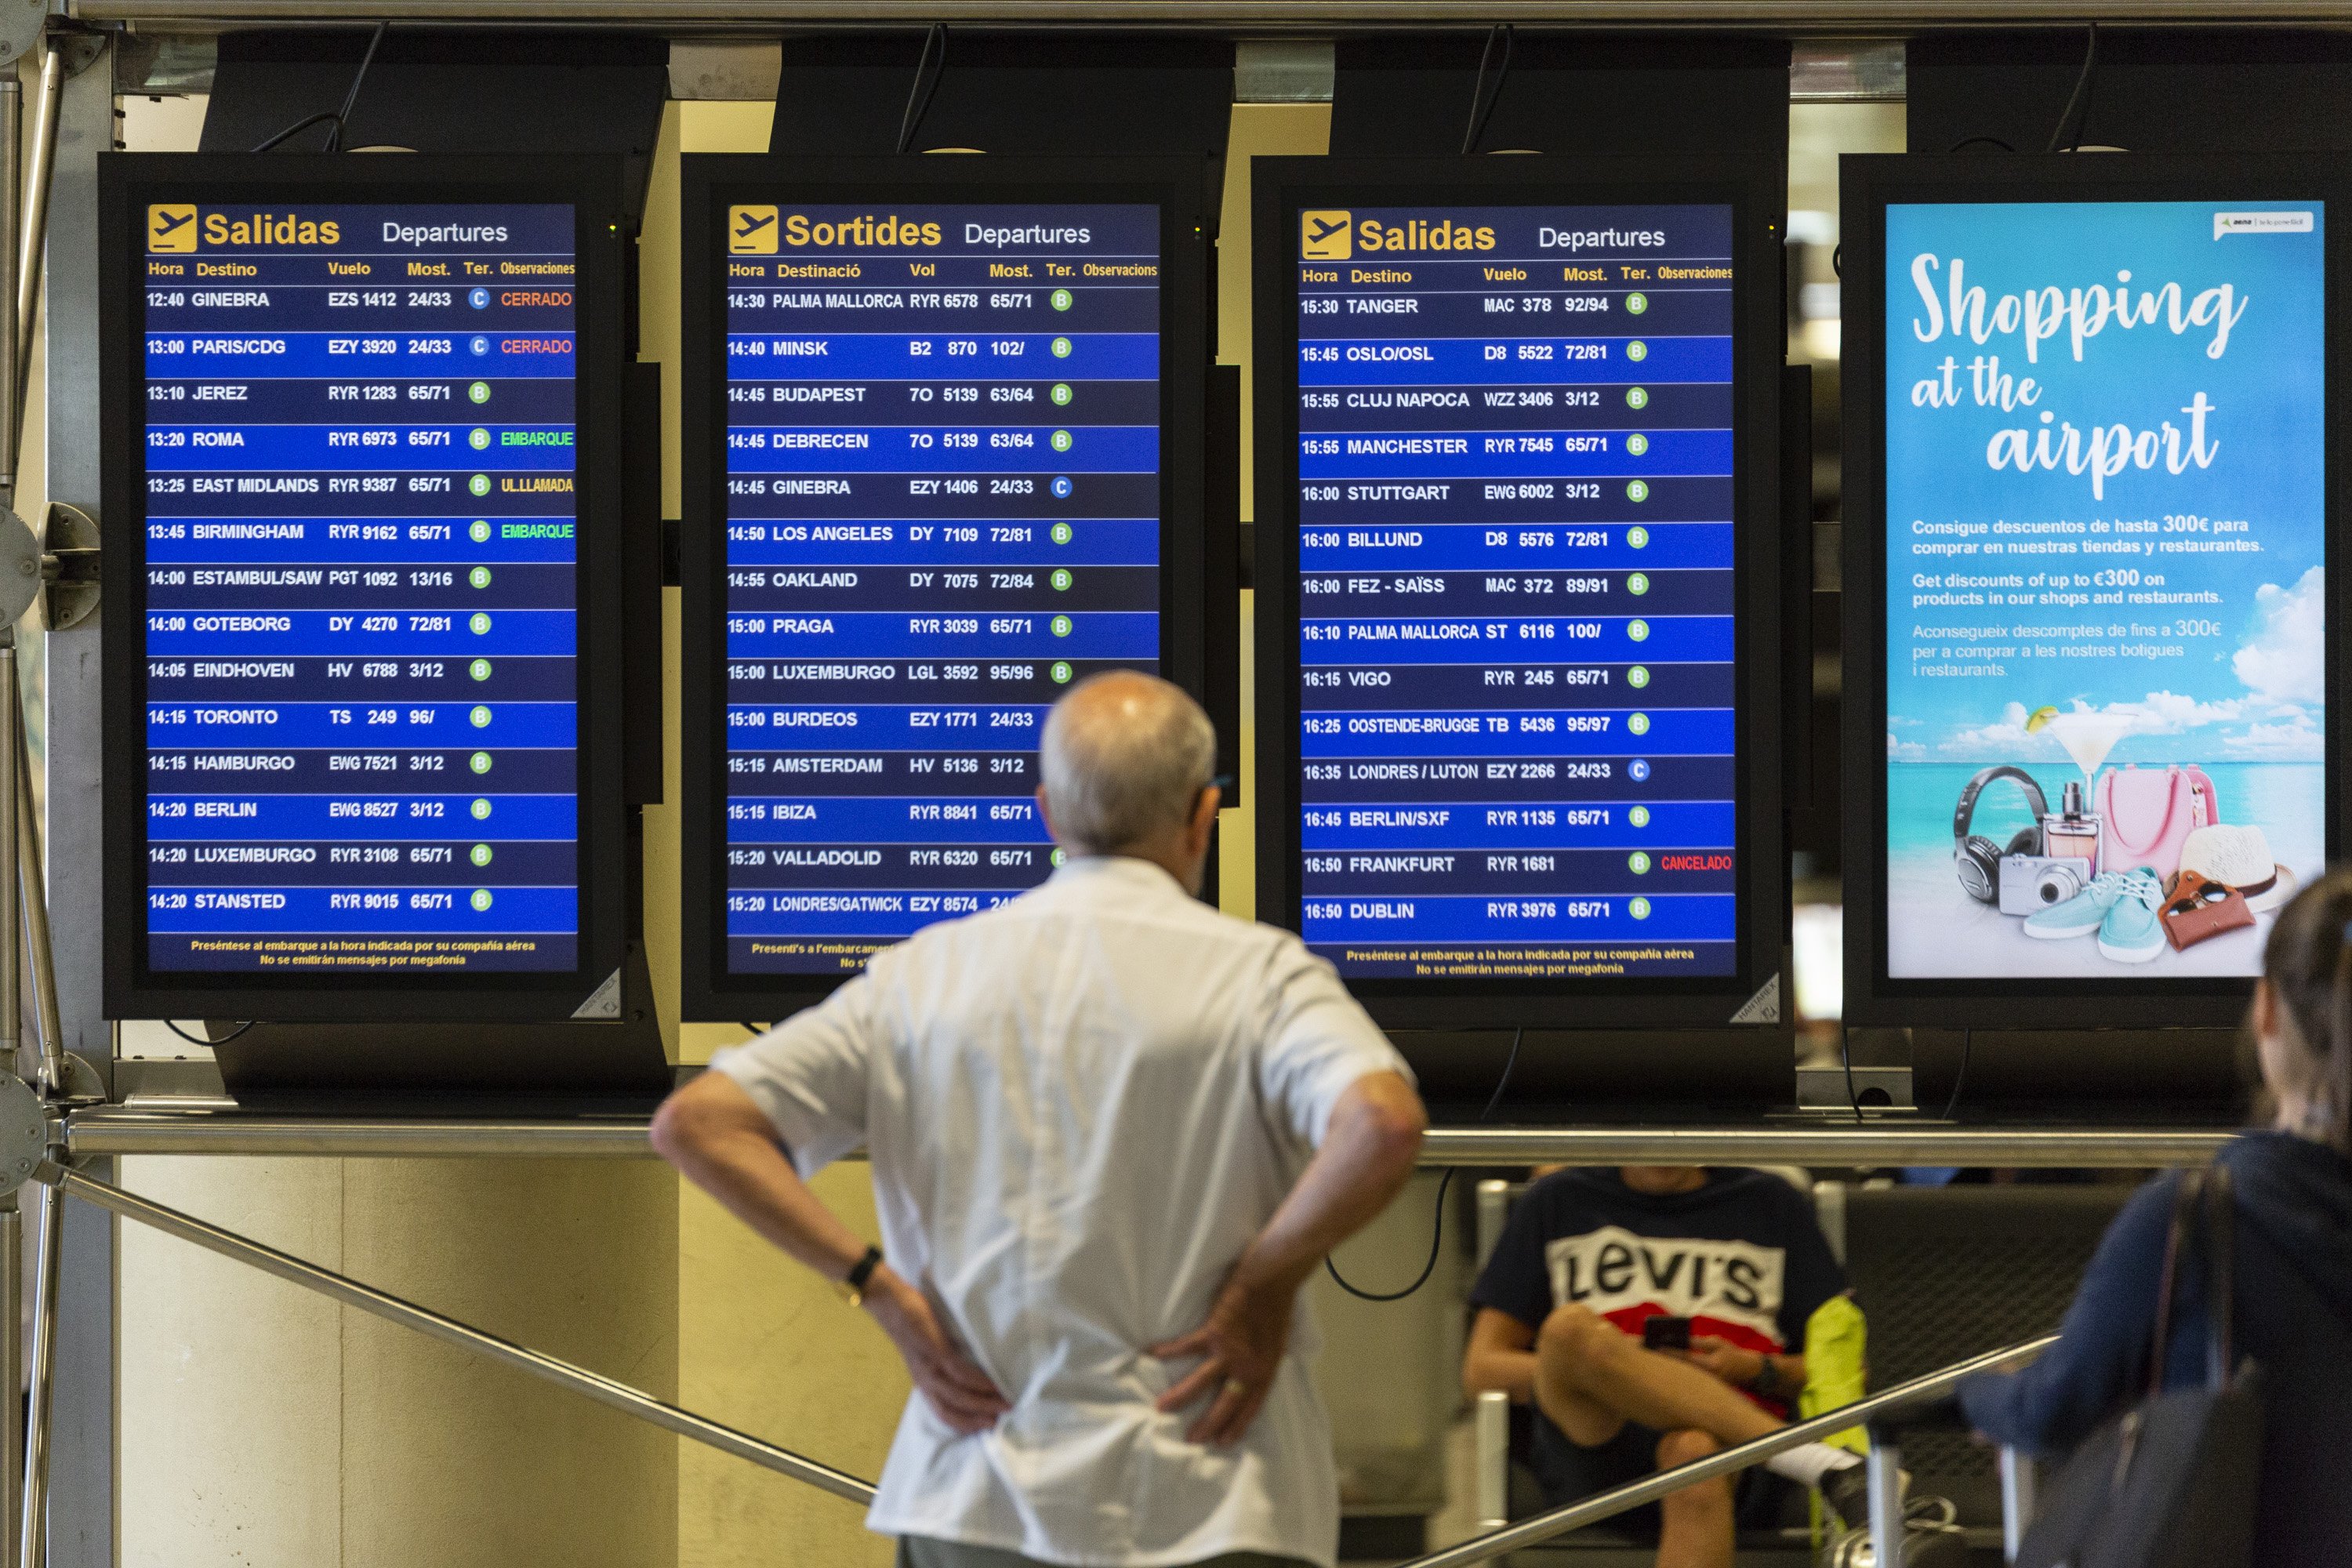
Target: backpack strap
{"x":2220,"y":1289}
{"x":2184,"y":1212}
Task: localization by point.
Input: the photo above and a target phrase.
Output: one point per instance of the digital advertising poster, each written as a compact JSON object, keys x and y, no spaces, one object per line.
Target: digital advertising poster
{"x":2105,"y":611}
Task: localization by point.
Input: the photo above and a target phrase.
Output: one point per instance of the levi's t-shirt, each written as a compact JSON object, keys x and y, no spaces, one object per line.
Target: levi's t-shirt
{"x":1741,"y":1256}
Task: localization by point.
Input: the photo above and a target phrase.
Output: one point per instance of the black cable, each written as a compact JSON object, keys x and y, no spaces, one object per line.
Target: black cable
{"x":222,"y":1041}
{"x":1437,"y":1226}
{"x":2080,"y":97}
{"x":754,"y":1028}
{"x":1480,"y":114}
{"x":1845,"y":1060}
{"x":918,"y":96}
{"x":343,"y":115}
{"x":1964,"y":144}
{"x":1967,"y":1048}
{"x":338,"y":117}
{"x":303,"y":124}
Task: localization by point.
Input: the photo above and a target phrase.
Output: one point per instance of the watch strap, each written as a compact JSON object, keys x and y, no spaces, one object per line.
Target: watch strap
{"x":854,"y":1283}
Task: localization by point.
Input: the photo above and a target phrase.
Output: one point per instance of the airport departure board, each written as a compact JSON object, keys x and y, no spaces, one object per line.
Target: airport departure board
{"x":943,"y":500}
{"x":355,"y":426}
{"x":1514,"y":550}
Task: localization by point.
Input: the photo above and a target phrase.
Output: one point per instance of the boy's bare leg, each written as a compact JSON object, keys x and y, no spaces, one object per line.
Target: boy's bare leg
{"x":1699,"y":1520}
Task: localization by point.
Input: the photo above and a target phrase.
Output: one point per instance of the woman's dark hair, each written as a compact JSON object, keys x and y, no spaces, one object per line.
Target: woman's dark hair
{"x":2309,"y":966}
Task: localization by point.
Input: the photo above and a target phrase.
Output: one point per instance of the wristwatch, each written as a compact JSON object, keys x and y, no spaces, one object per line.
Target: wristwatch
{"x":853,"y":1284}
{"x":1766,"y":1382}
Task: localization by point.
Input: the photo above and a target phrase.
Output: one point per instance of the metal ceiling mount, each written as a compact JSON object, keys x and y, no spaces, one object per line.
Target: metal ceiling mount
{"x":68,"y":564}
{"x":23,"y":1131}
{"x":20,"y":563}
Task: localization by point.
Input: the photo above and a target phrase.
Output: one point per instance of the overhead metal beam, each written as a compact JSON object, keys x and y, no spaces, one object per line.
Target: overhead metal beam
{"x":113,"y":1131}
{"x":1848,"y":15}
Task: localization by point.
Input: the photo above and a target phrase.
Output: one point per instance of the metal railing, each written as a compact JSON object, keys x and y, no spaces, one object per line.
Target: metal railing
{"x":636,"y":1402}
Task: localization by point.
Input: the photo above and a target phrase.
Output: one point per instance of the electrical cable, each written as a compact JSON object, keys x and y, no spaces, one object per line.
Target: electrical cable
{"x":1968,"y":1048}
{"x":209,"y":1044}
{"x":918,"y":96}
{"x":2080,"y":97}
{"x":1964,"y":144}
{"x":754,"y":1028}
{"x":1845,"y":1060}
{"x":1479,"y":115}
{"x":1437,"y":1223}
{"x":339,"y":117}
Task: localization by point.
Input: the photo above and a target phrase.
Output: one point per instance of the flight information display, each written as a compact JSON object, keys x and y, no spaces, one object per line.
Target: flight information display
{"x":943,"y":504}
{"x":1517,"y":755}
{"x":362,"y":575}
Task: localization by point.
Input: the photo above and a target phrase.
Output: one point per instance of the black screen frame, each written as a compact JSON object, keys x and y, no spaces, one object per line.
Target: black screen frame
{"x":1186,"y":191}
{"x":593,"y":188}
{"x":1755,"y":188}
{"x":1869,"y":184}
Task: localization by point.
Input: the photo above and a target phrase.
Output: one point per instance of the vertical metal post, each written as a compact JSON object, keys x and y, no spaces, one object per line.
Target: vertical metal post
{"x":12,"y":1375}
{"x":32,"y":892}
{"x":12,"y":723}
{"x":2016,"y":1501}
{"x":35,"y":227}
{"x":32,"y":1535}
{"x":1886,"y":1474}
{"x":12,"y":389}
{"x":63,"y":178}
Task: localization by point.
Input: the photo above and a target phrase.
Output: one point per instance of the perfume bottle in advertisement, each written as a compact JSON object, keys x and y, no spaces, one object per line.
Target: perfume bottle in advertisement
{"x":2070,"y":830}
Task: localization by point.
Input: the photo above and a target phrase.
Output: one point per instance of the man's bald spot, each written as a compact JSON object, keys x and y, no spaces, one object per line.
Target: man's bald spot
{"x":1125,"y":757}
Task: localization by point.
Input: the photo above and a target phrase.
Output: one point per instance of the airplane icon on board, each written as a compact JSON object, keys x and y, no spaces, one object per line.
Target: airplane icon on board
{"x":171,"y":227}
{"x":1325,"y":236}
{"x":751,"y":231}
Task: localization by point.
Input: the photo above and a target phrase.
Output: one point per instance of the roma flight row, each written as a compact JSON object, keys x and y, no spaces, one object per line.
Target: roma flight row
{"x":1518,"y":533}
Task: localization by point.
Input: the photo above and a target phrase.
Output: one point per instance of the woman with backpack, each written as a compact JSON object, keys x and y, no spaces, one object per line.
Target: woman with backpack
{"x":2292,"y":1266}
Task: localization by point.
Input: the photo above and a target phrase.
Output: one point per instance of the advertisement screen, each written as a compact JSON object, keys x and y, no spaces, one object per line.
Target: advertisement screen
{"x":357,"y":429}
{"x":1518,"y":745}
{"x":943,"y":506}
{"x":2105,"y":489}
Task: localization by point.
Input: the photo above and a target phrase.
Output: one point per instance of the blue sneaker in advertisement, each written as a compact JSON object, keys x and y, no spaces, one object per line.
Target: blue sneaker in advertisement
{"x":2131,"y":933}
{"x":2081,"y":915}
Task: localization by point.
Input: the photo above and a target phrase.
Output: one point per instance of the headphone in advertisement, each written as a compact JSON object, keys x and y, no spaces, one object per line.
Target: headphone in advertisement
{"x":1977,"y":858}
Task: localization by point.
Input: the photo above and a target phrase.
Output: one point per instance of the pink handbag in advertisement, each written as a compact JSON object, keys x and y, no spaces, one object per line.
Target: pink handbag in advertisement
{"x":2149,"y":815}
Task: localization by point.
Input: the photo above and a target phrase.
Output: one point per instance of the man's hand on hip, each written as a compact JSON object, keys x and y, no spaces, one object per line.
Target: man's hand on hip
{"x":957,"y":1392}
{"x":1241,"y":1347}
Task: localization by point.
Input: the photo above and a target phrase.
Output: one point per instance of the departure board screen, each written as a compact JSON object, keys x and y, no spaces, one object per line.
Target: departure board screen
{"x":361,"y":579}
{"x":942,"y":505}
{"x":1518,"y":753}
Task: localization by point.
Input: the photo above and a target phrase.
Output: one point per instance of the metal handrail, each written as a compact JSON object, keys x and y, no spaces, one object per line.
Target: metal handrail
{"x":110,"y":1131}
{"x":1633,"y":1494}
{"x":449,"y":1330}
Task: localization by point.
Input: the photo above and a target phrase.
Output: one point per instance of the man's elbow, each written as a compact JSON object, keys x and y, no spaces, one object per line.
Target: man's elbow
{"x":1394,"y":1124}
{"x":684,"y":1126}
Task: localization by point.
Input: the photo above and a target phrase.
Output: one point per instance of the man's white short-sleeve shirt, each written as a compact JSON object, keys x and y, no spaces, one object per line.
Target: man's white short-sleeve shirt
{"x":1080,"y":1108}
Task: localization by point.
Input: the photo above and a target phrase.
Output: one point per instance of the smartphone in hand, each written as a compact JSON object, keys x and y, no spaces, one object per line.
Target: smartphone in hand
{"x":1665,"y":1333}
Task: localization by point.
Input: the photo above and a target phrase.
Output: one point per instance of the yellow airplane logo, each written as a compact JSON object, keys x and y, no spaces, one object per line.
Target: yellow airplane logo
{"x":1325,"y":236}
{"x":171,"y":226}
{"x":751,"y":231}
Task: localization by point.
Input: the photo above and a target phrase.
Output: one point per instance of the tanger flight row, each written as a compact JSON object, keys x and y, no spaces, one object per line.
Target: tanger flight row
{"x":383,"y":551}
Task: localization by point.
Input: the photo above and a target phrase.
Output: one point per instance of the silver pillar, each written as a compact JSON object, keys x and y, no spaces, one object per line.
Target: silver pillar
{"x":40,"y":1405}
{"x":12,"y":1375}
{"x":82,"y":1442}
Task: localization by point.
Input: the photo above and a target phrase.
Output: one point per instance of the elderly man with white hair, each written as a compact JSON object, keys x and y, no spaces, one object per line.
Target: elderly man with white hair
{"x":1112,"y":1132}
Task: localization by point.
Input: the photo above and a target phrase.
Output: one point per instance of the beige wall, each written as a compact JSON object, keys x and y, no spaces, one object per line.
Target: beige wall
{"x":263,"y":1426}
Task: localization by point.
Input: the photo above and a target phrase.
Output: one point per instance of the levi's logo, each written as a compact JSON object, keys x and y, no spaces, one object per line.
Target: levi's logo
{"x":1611,"y":1269}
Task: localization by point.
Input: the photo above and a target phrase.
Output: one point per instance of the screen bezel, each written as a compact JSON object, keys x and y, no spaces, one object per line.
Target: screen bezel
{"x":1182,"y":188}
{"x":1869,"y":184}
{"x":594,"y":189}
{"x":1755,"y":190}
